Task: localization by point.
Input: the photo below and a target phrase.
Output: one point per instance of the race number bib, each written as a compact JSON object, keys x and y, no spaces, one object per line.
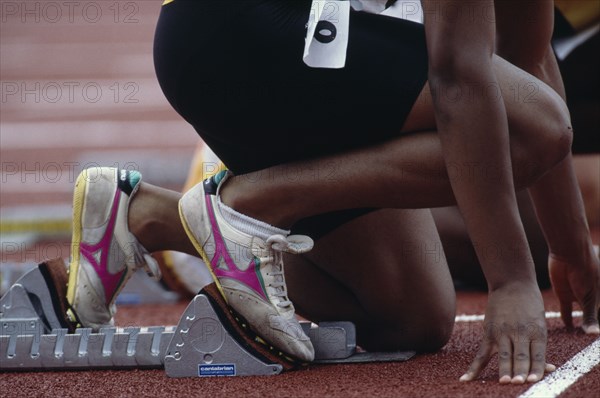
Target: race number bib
{"x":327,"y":34}
{"x":329,"y":22}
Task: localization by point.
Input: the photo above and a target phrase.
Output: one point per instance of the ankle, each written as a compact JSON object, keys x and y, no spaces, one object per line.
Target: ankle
{"x":143,"y":227}
{"x":256,"y":202}
{"x":143,"y":218}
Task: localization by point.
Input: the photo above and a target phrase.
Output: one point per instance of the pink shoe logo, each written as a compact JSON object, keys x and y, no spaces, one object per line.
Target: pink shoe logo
{"x":110,"y":282}
{"x":250,"y":277}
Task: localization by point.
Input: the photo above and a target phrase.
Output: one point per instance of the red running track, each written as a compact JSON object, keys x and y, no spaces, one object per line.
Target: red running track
{"x":426,"y":375}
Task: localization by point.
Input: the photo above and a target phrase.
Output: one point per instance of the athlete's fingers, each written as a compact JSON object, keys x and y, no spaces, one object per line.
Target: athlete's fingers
{"x":484,"y":354}
{"x":549,"y":368}
{"x":521,"y":361}
{"x":538,"y":361}
{"x":590,"y":307}
{"x":591,"y":327}
{"x":590,"y":318}
{"x":505,"y":359}
{"x":562,"y":289}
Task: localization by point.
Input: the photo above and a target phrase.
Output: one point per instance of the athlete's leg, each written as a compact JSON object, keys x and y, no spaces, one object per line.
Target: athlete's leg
{"x":393,"y":283}
{"x":373,"y":326}
{"x":384,"y":271}
{"x":406,"y":172}
{"x":275,"y":95}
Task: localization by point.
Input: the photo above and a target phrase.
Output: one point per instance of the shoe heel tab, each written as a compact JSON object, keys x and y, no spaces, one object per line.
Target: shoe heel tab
{"x":221,"y":176}
{"x":128,"y":181}
{"x":213,"y":184}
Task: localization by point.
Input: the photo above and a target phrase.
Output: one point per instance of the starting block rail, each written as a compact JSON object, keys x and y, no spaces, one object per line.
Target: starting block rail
{"x":36,"y":335}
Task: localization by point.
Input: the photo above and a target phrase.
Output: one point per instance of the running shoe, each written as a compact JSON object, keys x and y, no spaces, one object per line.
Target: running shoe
{"x":247,"y":269}
{"x":104,"y":254}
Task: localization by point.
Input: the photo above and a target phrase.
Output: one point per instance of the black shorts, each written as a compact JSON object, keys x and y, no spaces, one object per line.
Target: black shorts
{"x":234,"y":70}
{"x":579,"y":71}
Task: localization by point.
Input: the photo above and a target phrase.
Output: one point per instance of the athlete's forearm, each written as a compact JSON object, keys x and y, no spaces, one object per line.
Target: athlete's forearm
{"x":474,"y":136}
{"x":473,"y":128}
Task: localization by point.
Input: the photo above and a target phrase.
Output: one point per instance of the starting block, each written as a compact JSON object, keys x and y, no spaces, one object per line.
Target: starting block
{"x":209,"y":340}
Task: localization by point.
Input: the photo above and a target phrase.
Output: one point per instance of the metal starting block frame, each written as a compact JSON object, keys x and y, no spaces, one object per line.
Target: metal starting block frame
{"x":33,"y":338}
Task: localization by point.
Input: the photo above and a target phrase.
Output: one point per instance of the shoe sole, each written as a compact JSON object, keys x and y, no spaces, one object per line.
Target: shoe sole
{"x":78,"y":203}
{"x":55,"y":275}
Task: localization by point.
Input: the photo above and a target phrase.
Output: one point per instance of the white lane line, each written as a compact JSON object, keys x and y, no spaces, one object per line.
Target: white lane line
{"x":479,"y":318}
{"x":469,"y":318}
{"x":562,"y":378}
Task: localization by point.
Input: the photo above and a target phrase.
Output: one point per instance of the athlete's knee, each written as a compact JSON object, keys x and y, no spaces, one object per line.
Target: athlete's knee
{"x":427,"y":331}
{"x":422,"y":337}
{"x":433,"y":334}
{"x":560,"y":131}
{"x":433,"y":337}
{"x":547,"y":142}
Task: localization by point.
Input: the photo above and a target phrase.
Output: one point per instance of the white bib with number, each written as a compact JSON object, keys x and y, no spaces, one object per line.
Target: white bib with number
{"x":329,"y":23}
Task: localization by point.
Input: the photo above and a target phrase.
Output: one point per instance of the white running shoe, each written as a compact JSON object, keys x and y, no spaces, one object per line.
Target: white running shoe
{"x":247,"y":270}
{"x":104,"y":254}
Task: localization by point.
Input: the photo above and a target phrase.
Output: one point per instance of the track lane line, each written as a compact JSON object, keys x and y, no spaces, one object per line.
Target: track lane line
{"x":479,"y":318}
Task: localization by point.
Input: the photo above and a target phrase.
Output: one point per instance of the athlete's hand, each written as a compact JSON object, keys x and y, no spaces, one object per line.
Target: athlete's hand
{"x":577,"y":282}
{"x":515,"y":328}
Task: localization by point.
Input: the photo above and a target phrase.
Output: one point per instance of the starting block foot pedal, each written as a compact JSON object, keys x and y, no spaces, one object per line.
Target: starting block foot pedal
{"x":39,"y":294}
{"x":35,"y":333}
{"x":209,"y":341}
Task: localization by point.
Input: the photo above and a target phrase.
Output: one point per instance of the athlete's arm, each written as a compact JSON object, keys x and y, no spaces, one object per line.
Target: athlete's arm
{"x":524,"y":35}
{"x":473,"y":128}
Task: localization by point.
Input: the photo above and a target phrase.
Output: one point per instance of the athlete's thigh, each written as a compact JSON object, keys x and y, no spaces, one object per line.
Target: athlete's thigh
{"x":253,"y":93}
{"x":530,"y":104}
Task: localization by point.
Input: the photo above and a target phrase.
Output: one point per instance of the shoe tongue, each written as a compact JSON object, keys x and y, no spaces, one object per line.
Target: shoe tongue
{"x":276,"y":266}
